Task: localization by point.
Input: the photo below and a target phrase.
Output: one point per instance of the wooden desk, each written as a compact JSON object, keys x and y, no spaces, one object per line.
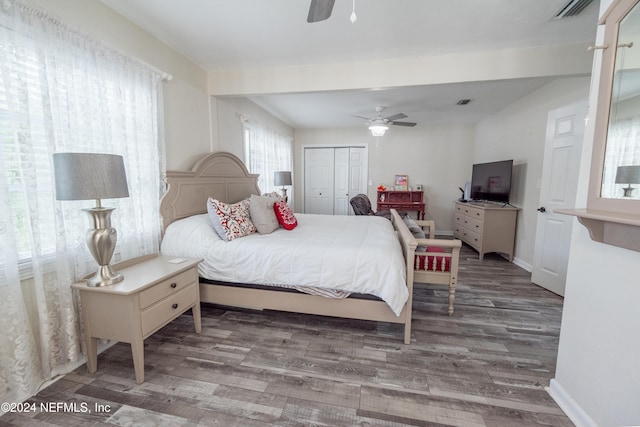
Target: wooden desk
{"x":401,"y":201}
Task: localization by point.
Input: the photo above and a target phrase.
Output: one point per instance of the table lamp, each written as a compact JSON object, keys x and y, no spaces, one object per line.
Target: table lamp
{"x":628,"y":175}
{"x":86,"y":176}
{"x":282,"y":178}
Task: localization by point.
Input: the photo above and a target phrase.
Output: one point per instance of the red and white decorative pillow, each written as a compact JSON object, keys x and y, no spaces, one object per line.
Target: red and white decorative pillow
{"x":230,"y":221}
{"x":285,"y":215}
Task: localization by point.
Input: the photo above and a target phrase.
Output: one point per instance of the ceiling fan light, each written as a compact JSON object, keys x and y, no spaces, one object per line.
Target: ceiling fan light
{"x":378,"y":129}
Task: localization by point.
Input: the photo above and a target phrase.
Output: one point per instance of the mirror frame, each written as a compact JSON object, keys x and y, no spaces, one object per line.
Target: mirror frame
{"x":611,"y":20}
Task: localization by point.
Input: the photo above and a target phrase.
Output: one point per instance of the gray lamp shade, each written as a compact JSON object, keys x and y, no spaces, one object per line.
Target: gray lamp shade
{"x":86,"y":176}
{"x":282,"y":178}
{"x":628,"y":175}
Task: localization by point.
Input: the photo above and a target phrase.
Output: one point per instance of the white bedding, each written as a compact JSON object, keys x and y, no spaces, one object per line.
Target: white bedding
{"x":358,"y":254}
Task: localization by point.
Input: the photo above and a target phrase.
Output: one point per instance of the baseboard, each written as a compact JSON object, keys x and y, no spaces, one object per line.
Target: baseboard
{"x":522,"y":264}
{"x":64,"y":370}
{"x":569,"y":406}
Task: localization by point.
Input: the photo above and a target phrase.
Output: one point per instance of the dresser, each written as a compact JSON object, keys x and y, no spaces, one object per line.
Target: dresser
{"x":486,"y":227}
{"x":401,"y":201}
{"x":155,"y":290}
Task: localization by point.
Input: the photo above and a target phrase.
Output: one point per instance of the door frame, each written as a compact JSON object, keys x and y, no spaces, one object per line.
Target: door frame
{"x":303,"y":147}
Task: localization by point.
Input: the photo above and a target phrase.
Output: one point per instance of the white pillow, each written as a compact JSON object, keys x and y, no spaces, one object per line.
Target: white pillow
{"x":262,"y":214}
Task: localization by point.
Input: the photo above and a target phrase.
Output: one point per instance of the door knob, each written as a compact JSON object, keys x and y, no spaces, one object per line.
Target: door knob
{"x":542,"y":209}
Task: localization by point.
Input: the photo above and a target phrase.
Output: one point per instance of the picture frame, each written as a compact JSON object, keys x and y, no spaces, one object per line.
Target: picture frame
{"x":401,"y":183}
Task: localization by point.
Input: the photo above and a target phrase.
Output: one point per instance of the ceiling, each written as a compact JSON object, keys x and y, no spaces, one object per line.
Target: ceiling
{"x":241,"y":34}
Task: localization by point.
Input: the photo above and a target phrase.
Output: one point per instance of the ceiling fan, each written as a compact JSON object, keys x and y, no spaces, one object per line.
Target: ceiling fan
{"x":319,"y":10}
{"x":378,"y":125}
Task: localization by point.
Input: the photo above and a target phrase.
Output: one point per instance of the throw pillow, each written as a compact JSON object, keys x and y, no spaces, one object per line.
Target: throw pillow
{"x":285,"y":215}
{"x":414,"y":228}
{"x":431,"y":262}
{"x":230,"y":221}
{"x":262,"y":213}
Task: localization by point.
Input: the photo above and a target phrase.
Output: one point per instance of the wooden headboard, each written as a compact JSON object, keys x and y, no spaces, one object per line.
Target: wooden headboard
{"x":220,"y":175}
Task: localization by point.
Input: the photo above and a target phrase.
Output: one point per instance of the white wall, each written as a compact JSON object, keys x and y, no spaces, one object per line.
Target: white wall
{"x":597,"y":379}
{"x":186,"y":104}
{"x":518,"y":132}
{"x":226,"y":113}
{"x":438,"y":157}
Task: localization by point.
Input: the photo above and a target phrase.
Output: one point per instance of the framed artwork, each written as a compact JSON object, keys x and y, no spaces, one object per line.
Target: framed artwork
{"x":401,"y":183}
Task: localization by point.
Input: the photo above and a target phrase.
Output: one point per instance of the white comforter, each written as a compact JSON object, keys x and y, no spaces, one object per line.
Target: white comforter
{"x":359,"y":254}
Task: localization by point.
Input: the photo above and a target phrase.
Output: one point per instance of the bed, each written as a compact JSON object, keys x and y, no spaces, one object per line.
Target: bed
{"x":224,"y":177}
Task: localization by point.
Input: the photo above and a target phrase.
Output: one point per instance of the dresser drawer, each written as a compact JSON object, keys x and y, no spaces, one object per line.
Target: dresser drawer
{"x":474,"y":212}
{"x":473,"y":224}
{"x":458,"y":219}
{"x":168,"y":308}
{"x":163,"y":289}
{"x":473,"y":239}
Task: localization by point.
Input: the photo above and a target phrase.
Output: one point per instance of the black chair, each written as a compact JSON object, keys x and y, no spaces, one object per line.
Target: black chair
{"x":361,"y":205}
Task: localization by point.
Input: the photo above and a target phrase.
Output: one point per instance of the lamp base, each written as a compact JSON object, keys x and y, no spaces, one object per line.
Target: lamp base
{"x":101,"y":241}
{"x":628,"y":191}
{"x":284,"y":194}
{"x":105,"y":276}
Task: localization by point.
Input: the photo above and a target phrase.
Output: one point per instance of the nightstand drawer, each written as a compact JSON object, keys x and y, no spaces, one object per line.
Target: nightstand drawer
{"x":163,"y":289}
{"x":169,"y":308}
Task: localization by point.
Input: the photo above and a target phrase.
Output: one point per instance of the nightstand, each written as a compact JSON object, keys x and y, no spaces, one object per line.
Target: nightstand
{"x":153,"y":293}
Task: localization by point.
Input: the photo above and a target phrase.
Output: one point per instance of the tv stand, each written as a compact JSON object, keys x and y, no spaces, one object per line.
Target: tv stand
{"x":486,"y":227}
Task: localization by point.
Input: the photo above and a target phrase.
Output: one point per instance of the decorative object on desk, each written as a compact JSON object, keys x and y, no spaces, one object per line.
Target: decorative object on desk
{"x":381,"y":187}
{"x":401,"y":183}
{"x":86,"y":176}
{"x":282,"y":178}
{"x":418,"y":187}
{"x":628,"y":175}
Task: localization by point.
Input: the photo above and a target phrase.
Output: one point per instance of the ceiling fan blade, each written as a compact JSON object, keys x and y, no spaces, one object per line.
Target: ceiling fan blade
{"x":319,"y":10}
{"x":396,"y":117}
{"x":360,"y":117}
{"x":403,"y":124}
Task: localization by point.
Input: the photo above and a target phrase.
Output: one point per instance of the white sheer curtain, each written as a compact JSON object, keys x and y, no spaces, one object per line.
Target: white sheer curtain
{"x":265,"y":152}
{"x":63,"y":91}
{"x":622,"y":149}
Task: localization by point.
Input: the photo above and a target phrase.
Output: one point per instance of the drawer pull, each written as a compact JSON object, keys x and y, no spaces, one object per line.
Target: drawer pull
{"x":174,"y":284}
{"x":174,"y":306}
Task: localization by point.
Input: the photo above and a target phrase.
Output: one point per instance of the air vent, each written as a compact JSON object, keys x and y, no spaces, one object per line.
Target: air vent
{"x":463,"y":102}
{"x":571,"y":8}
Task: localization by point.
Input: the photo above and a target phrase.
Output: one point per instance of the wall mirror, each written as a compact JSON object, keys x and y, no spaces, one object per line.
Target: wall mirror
{"x":621,"y":169}
{"x":612,"y":215}
{"x":615,"y":171}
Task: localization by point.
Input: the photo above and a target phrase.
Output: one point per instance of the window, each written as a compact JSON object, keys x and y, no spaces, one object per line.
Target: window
{"x":266,"y":151}
{"x":61,"y":91}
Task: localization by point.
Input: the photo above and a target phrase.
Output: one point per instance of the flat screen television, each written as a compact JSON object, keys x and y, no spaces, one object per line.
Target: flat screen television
{"x":491,"y":181}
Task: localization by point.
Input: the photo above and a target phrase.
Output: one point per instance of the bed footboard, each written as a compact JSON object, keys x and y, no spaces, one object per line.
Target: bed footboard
{"x":409,"y":244}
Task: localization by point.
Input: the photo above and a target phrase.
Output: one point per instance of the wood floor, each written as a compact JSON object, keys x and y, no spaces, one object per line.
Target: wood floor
{"x":487,"y":365}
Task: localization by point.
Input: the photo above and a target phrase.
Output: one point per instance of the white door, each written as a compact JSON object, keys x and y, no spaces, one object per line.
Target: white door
{"x":358,"y":170}
{"x":341,"y":184}
{"x":318,"y":180}
{"x":350,"y":177}
{"x":563,"y":145}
